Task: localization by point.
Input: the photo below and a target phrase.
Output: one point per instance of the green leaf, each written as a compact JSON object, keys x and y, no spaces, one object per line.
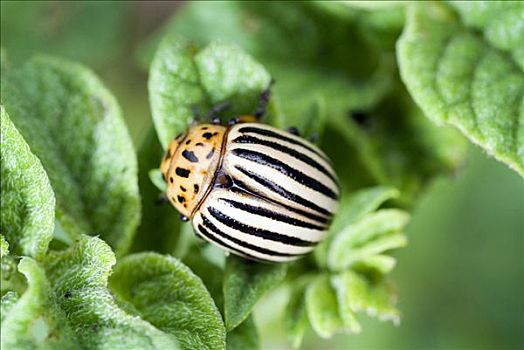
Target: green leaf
{"x":245,"y":282}
{"x":168,"y":295}
{"x":351,"y":209}
{"x":210,"y":274}
{"x":11,"y":280}
{"x":159,"y":229}
{"x":244,"y":337}
{"x":396,"y":144}
{"x":155,"y":175}
{"x":374,"y":234}
{"x":295,"y":315}
{"x":4,"y":247}
{"x":346,"y":76}
{"x":8,"y":300}
{"x":460,"y":78}
{"x":28,"y":203}
{"x":75,"y":126}
{"x":183,"y":77}
{"x":356,"y":294}
{"x":322,"y":307}
{"x":499,"y":21}
{"x":79,"y":278}
{"x":33,"y":321}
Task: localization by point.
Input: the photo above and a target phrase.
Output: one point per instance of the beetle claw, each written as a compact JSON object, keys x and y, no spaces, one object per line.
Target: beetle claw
{"x":162,"y":200}
{"x":219,"y":108}
{"x":293,"y":130}
{"x":263,"y":100}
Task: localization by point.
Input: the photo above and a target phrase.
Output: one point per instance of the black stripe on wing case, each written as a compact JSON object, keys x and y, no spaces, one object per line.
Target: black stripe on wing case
{"x":207,"y":223}
{"x":300,"y":177}
{"x":258,"y":232}
{"x":283,"y":192}
{"x":279,"y":147}
{"x":273,"y":215}
{"x":243,"y":188}
{"x":220,"y":242}
{"x":265,"y":132}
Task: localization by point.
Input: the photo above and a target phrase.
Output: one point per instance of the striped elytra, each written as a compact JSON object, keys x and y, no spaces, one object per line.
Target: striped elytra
{"x":252,"y":189}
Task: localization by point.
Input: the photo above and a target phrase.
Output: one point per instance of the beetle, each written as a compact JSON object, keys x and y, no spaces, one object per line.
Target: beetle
{"x":254,"y":190}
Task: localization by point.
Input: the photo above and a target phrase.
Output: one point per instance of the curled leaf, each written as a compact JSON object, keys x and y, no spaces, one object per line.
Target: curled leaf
{"x":75,"y":126}
{"x":322,"y":307}
{"x":374,"y":234}
{"x":168,"y":295}
{"x":33,"y":320}
{"x":356,"y":294}
{"x":184,"y":78}
{"x":28,"y":203}
{"x":79,"y":278}
{"x":460,"y":78}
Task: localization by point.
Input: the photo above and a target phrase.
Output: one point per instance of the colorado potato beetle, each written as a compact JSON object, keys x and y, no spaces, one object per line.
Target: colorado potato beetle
{"x":254,"y":190}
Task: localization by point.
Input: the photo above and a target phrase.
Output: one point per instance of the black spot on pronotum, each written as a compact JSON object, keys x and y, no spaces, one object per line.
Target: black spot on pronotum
{"x":196,"y":188}
{"x":68,"y":295}
{"x":181,"y":199}
{"x":171,"y":179}
{"x":188,"y":142}
{"x":210,"y":154}
{"x":182,"y":172}
{"x":199,"y":144}
{"x":208,"y":135}
{"x":204,"y":128}
{"x":183,"y":188}
{"x":190,"y":155}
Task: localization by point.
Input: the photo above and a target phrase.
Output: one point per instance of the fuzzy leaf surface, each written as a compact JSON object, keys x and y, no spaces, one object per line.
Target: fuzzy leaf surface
{"x":244,"y":284}
{"x":470,"y":81}
{"x":28,"y":202}
{"x":168,"y":295}
{"x":75,"y":126}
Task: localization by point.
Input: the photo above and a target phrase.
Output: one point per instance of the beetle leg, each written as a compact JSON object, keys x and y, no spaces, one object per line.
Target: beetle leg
{"x":314,"y":137}
{"x":242,"y":119}
{"x":293,"y":130}
{"x":263,"y":101}
{"x":196,"y":112}
{"x":162,"y":200}
{"x":219,"y":108}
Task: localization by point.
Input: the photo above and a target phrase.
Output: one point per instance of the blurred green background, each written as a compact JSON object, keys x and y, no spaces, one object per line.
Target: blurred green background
{"x":460,"y":280}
